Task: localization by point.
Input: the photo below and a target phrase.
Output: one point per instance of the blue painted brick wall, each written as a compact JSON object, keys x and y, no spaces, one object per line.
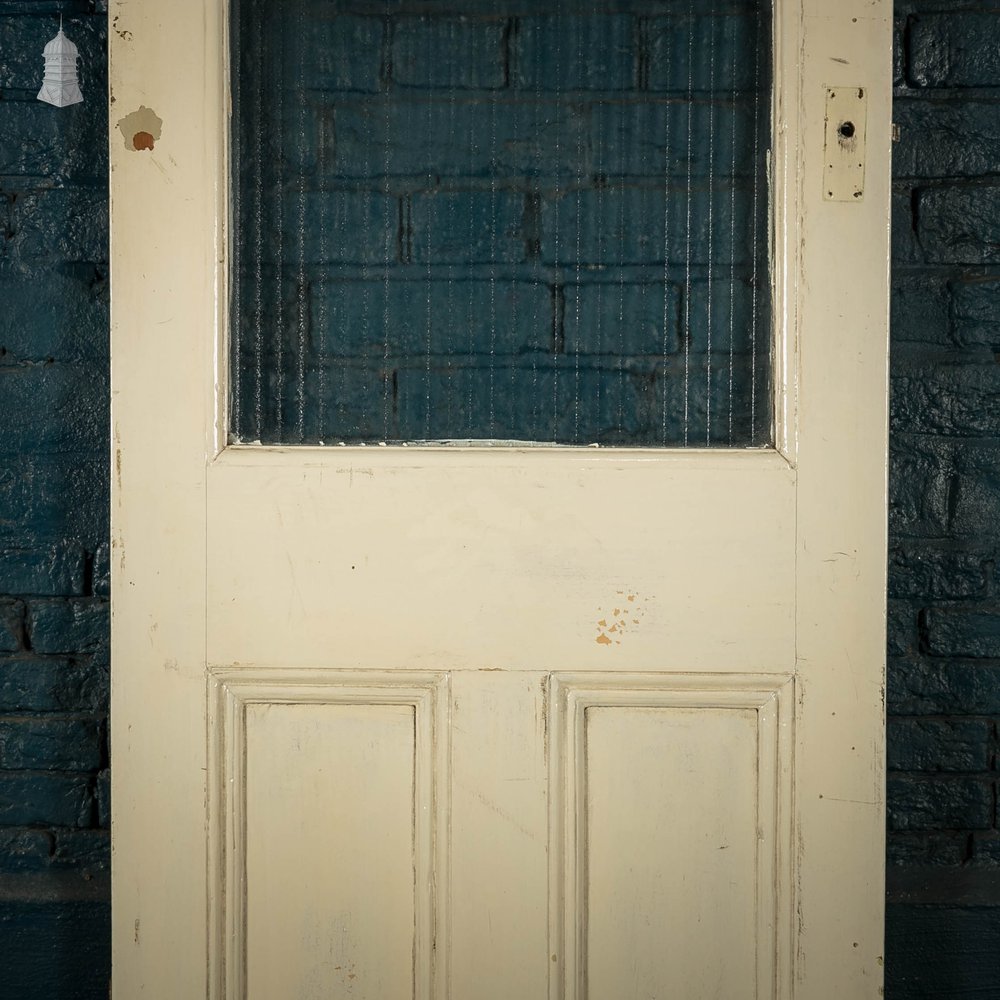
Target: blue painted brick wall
{"x":501,"y":169}
{"x":54,"y":851}
{"x":944,"y":601}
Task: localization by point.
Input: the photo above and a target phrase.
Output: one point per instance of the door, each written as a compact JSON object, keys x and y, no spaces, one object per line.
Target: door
{"x":498,"y":721}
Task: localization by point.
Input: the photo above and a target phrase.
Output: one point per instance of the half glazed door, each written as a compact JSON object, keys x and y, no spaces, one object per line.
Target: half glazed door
{"x":492,"y":720}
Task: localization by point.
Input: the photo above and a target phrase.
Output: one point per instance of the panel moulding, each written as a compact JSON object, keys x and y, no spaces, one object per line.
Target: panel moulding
{"x":770,"y":703}
{"x":234,"y":690}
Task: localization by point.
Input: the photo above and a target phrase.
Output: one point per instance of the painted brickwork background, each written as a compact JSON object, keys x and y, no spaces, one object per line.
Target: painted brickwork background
{"x":54,"y":856}
{"x":944,"y":587}
{"x":944,"y":644}
{"x":486,"y":224}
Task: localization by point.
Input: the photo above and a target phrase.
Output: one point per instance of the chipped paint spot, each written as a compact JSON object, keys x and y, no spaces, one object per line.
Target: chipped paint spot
{"x":612,"y":626}
{"x":141,"y":129}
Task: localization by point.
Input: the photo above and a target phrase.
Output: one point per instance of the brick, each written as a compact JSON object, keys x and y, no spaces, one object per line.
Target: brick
{"x":527,"y":399}
{"x":649,"y":138}
{"x":54,"y":946}
{"x":919,"y":492}
{"x":963,"y":632}
{"x":730,"y":311}
{"x":949,"y":687}
{"x":678,"y":62}
{"x":61,"y":224}
{"x":954,"y":49}
{"x":986,"y":850}
{"x":927,"y":803}
{"x":343,"y":54}
{"x":946,"y":139}
{"x":32,"y":683}
{"x":341,"y":227}
{"x":59,"y":147}
{"x":976,"y":500}
{"x":89,"y":850}
{"x":11,"y":625}
{"x":692,"y":405}
{"x":529,"y":396}
{"x":976,"y":321}
{"x":936,"y":850}
{"x":53,"y":408}
{"x":102,"y":570}
{"x":69,"y":626}
{"x":941,"y":952}
{"x":103,"y":787}
{"x":24,"y":850}
{"x":901,"y":627}
{"x":54,"y":496}
{"x":628,"y":226}
{"x":100,"y":655}
{"x":28,"y":798}
{"x":922,"y":572}
{"x":49,"y":315}
{"x":906,"y":248}
{"x":575,"y":52}
{"x":51,"y":571}
{"x":898,"y":50}
{"x":438,"y":52}
{"x":49,"y":744}
{"x":960,"y":224}
{"x":622,"y":320}
{"x":920,"y":312}
{"x":512,"y":316}
{"x":460,"y":139}
{"x":467,"y":227}
{"x":939,"y":745}
{"x":945,"y":398}
{"x":285,"y":139}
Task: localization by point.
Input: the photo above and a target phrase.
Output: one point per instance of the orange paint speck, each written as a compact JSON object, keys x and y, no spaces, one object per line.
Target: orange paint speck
{"x":603,"y":640}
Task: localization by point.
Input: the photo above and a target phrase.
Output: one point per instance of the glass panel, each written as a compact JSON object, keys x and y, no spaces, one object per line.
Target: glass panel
{"x":540,"y":222}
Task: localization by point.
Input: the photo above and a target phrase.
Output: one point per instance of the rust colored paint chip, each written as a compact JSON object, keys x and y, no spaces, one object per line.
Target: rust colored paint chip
{"x":141,"y":129}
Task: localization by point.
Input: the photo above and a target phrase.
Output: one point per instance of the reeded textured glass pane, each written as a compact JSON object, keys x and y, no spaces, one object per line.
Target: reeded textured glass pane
{"x":539,"y":221}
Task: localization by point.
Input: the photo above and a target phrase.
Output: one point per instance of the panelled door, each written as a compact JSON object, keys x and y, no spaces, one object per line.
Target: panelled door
{"x":486,"y":719}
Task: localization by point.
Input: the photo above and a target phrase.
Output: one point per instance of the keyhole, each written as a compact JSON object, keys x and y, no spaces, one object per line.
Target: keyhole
{"x":847,"y":130}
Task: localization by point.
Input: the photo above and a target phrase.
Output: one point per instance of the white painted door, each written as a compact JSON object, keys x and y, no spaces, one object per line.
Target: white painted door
{"x":367,"y":741}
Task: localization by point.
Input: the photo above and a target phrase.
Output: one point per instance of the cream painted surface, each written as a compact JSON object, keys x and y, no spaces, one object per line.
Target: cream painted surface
{"x":670,"y":835}
{"x":458,"y":552}
{"x":695,"y":814}
{"x":329,"y":811}
{"x":329,"y":791}
{"x":454,"y":628}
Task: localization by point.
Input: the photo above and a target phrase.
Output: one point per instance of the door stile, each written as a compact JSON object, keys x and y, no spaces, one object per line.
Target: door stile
{"x":167,"y":226}
{"x":842,"y":308}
